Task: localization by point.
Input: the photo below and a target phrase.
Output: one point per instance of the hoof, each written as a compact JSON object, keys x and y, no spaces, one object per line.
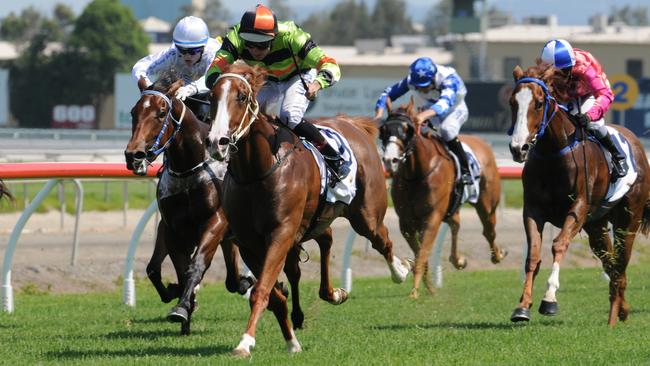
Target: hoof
{"x":460,"y":264}
{"x":520,"y":315}
{"x":240,"y":353}
{"x":497,"y":258}
{"x":399,"y":269}
{"x":178,"y":314}
{"x":414,"y":294}
{"x":245,"y":283}
{"x":548,"y":308}
{"x":340,"y":296}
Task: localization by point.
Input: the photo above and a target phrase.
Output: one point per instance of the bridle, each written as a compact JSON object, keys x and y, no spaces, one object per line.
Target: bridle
{"x":154,"y":150}
{"x":401,"y":139}
{"x":241,"y":130}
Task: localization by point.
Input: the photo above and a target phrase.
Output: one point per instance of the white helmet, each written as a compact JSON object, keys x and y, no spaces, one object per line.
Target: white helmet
{"x":191,"y":32}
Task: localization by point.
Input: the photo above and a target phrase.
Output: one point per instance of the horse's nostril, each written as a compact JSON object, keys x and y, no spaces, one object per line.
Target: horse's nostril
{"x":224,"y":141}
{"x":139,"y":155}
{"x":525,"y":148}
{"x":394,"y":160}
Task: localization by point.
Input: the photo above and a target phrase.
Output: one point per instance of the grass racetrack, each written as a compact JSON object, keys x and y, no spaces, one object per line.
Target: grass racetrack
{"x":465,"y":323}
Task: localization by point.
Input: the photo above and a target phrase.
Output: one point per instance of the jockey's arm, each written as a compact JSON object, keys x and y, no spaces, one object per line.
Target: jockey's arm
{"x":447,"y":96}
{"x":229,"y":52}
{"x":601,"y":91}
{"x":390,"y":94}
{"x":151,"y":65}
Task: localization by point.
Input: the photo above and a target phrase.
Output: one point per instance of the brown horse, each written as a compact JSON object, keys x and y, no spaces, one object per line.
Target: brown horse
{"x":272,"y":196}
{"x":566,"y":180}
{"x":4,"y":191}
{"x":188,"y":195}
{"x":424,"y":177}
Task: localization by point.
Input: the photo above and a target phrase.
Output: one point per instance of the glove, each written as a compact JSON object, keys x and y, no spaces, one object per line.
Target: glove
{"x":185,"y":91}
{"x":582,"y":119}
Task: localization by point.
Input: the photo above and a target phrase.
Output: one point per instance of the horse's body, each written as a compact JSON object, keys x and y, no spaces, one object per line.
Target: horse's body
{"x":424,"y":177}
{"x":192,"y":222}
{"x":565,"y":183}
{"x":272,"y":198}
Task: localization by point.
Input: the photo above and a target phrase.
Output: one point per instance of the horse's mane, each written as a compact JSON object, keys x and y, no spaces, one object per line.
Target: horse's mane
{"x":165,"y":81}
{"x":553,"y":77}
{"x":365,"y":124}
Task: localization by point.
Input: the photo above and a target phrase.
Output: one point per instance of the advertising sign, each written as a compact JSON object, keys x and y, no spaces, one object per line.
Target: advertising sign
{"x":73,"y":116}
{"x":126,"y":95}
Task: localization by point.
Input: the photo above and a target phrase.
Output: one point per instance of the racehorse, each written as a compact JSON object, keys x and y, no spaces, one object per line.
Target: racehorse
{"x":423,"y":180}
{"x":566,"y":180}
{"x":272,"y":195}
{"x":188,"y":195}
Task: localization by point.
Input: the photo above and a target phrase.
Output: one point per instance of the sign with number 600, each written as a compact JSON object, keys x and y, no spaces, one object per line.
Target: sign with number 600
{"x":626,"y":91}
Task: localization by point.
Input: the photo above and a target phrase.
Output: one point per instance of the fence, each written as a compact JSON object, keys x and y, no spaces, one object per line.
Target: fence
{"x":56,"y":172}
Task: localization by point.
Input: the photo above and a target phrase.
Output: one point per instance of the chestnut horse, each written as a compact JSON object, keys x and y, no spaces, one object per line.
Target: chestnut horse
{"x":423,"y":180}
{"x":188,"y":194}
{"x":272,"y":196}
{"x":566,"y":180}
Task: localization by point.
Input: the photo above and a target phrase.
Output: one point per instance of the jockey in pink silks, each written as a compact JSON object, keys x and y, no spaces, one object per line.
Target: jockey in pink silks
{"x":590,"y":92}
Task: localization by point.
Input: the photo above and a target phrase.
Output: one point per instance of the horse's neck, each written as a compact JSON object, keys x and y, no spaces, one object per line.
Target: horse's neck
{"x":559,"y":134}
{"x":255,"y":154}
{"x":187,"y":150}
{"x":424,"y":156}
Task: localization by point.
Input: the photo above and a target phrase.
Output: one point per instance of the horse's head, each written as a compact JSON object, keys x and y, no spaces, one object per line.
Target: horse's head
{"x":149,"y":122}
{"x":395,"y":134}
{"x":233,"y":97}
{"x":533,"y":106}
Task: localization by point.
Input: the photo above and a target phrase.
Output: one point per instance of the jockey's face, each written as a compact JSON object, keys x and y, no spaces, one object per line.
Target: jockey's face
{"x":190,"y":56}
{"x":425,"y":89}
{"x":258,"y":50}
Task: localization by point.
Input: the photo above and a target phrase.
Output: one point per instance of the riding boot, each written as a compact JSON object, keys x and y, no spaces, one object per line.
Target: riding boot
{"x":618,"y":156}
{"x":333,"y":158}
{"x":457,"y":148}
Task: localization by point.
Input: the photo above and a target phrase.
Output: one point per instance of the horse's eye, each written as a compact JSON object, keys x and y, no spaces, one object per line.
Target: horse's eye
{"x":538,"y":104}
{"x":241,"y":97}
{"x":161,"y":114}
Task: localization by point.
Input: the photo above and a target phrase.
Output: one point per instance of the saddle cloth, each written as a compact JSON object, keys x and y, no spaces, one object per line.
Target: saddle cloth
{"x":470,"y":192}
{"x":346,"y":189}
{"x":170,"y":185}
{"x":618,"y":188}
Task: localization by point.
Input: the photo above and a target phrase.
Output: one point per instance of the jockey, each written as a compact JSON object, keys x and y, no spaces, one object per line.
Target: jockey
{"x":590,"y":92}
{"x":190,"y":56}
{"x":297,"y":68}
{"x":442,"y":103}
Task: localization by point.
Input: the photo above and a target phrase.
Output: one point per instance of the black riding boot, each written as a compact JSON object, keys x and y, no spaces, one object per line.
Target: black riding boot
{"x":457,"y":148}
{"x":618,"y":156}
{"x":332,"y":157}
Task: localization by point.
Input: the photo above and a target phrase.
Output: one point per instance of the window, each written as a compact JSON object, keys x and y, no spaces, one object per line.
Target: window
{"x":634,"y":68}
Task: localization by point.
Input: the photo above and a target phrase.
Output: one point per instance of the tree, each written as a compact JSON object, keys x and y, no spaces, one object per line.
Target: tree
{"x":215,"y":15}
{"x":630,"y":16}
{"x":347,"y":22}
{"x":389,"y":18}
{"x":281,"y":10}
{"x":438,"y":18}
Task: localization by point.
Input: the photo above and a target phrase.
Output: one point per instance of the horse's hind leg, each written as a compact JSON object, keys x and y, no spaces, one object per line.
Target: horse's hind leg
{"x":293,"y":273}
{"x":458,"y":261}
{"x":372,"y":228}
{"x":486,"y":210}
{"x":334,"y":296}
{"x":624,"y":234}
{"x":171,"y":292}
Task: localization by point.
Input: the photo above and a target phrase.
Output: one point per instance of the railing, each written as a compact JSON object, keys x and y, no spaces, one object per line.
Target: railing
{"x":56,"y":172}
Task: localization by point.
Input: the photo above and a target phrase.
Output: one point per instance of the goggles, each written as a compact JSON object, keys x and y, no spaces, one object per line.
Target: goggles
{"x":258,"y":45}
{"x":189,"y":51}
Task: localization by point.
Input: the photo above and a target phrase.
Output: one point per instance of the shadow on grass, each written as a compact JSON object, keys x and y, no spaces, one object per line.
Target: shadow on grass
{"x":462,"y":325}
{"x":88,"y":355}
{"x":147,"y":334}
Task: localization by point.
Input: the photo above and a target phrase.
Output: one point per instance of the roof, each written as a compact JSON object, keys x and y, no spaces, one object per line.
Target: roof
{"x":153,"y":24}
{"x":527,"y":33}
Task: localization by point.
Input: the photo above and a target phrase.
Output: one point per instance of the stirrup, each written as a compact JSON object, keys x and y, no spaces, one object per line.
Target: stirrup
{"x":619,"y":168}
{"x":337,"y":168}
{"x":466,"y":179}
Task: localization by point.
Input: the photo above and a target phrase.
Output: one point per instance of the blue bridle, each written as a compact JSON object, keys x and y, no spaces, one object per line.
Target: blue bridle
{"x":154,"y":150}
{"x":547,"y":101}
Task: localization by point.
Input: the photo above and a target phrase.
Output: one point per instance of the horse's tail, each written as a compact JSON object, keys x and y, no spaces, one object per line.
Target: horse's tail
{"x":645,"y":221}
{"x":4,"y":191}
{"x":365,"y":124}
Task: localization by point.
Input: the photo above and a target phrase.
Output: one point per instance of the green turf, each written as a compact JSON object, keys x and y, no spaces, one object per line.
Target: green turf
{"x":466,"y":323}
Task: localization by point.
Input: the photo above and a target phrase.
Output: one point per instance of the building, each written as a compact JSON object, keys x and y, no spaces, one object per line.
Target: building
{"x":168,"y":10}
{"x":621,"y":49}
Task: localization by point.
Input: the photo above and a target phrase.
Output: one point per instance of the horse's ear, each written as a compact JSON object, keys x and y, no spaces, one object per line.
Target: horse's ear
{"x":174,"y":87}
{"x":389,"y":105}
{"x":257,"y":77}
{"x":517,"y":73}
{"x":142,"y":84}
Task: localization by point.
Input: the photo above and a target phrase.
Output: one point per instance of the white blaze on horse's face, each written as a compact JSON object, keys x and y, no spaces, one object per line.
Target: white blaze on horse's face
{"x":392,"y":154}
{"x":521,"y":133}
{"x":220,"y":127}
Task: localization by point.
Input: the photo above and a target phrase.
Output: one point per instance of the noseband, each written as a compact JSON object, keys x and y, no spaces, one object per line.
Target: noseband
{"x":548,"y":98}
{"x":154,"y":151}
{"x":401,"y":139}
{"x":250,"y":100}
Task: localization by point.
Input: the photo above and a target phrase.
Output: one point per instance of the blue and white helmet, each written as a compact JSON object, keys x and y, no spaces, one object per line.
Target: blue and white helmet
{"x":422,"y":72}
{"x":191,"y":32}
{"x":558,"y":53}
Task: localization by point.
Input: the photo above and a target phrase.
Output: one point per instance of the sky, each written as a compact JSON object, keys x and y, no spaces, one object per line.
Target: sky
{"x":568,"y":11}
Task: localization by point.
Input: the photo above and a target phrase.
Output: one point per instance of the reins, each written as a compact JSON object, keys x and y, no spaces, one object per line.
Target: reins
{"x":154,"y":151}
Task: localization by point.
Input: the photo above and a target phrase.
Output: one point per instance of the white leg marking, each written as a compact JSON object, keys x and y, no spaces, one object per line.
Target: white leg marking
{"x":399,"y":270}
{"x":553,"y":283}
{"x":246,"y":343}
{"x":293,"y":346}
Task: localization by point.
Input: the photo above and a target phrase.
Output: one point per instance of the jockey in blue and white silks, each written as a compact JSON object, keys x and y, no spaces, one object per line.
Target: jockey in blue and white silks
{"x":441,"y":102}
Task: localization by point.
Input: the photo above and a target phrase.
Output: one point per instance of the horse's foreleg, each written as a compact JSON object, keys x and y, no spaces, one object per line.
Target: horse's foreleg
{"x":335,"y":296}
{"x":456,"y":259}
{"x":624,"y":234}
{"x":486,"y":211}
{"x":154,"y":272}
{"x":293,"y":273}
{"x":282,"y":239}
{"x":427,"y":240}
{"x":534,"y":230}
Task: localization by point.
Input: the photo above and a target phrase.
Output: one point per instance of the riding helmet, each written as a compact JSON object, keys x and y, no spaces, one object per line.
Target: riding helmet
{"x":422,"y":72}
{"x":191,"y":32}
{"x":558,"y":53}
{"x":258,"y":25}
